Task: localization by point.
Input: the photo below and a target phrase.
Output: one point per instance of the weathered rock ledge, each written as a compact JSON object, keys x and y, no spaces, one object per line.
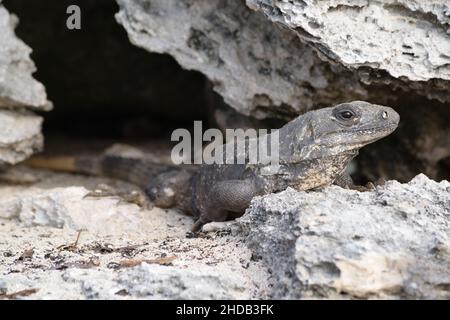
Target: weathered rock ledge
{"x":392,"y":242}
{"x":406,"y":43}
{"x":325,"y":52}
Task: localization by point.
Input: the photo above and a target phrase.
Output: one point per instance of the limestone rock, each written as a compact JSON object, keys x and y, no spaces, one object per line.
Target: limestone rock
{"x":17,"y":86}
{"x":392,"y":242}
{"x":20,"y":136}
{"x":406,"y":40}
{"x":20,"y":131}
{"x":159,"y":282}
{"x":73,"y":208}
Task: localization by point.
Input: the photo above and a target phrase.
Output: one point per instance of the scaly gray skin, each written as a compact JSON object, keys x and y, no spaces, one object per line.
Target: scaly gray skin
{"x":315,"y":149}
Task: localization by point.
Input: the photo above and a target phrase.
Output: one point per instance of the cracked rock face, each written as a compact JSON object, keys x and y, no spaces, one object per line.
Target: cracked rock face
{"x":408,"y":40}
{"x":236,"y":49}
{"x":392,"y":242}
{"x":20,"y":132}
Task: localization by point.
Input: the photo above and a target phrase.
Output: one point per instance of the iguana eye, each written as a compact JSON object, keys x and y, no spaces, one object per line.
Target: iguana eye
{"x":345,"y":114}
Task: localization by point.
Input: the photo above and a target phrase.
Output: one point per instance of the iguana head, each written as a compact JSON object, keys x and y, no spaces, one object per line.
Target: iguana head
{"x":337,"y":130}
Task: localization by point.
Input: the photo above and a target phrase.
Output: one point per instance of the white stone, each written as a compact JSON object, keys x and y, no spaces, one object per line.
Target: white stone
{"x":20,"y":135}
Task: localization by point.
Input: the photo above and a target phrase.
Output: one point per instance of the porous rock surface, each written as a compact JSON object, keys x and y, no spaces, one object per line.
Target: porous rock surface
{"x":260,"y":68}
{"x":17,"y":86}
{"x":406,"y":39}
{"x":392,"y":242}
{"x":20,"y":135}
{"x":20,"y":132}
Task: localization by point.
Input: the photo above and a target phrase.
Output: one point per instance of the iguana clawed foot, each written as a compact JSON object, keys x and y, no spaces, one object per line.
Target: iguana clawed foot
{"x":201,"y":227}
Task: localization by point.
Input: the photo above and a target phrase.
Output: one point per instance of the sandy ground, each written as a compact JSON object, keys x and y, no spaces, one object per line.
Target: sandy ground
{"x":83,"y":251}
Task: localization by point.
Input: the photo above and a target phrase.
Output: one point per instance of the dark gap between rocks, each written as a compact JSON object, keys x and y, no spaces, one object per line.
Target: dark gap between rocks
{"x":102,"y":86}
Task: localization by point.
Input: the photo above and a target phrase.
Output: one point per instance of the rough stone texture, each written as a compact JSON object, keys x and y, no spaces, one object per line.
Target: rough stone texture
{"x":39,"y":225}
{"x":408,"y":40}
{"x":72,"y":207}
{"x":256,"y":66}
{"x":20,"y":135}
{"x":20,"y":132}
{"x":17,"y":86}
{"x":179,"y":283}
{"x":392,"y":242}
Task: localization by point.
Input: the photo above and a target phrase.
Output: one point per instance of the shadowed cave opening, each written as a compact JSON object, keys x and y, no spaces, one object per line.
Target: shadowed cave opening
{"x":101,"y":85}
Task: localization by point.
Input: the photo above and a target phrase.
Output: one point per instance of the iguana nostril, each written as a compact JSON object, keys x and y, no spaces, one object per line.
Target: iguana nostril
{"x":384,"y":115}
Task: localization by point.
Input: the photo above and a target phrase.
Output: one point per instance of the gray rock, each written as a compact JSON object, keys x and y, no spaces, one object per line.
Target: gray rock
{"x":142,"y":282}
{"x":72,"y":208}
{"x":258,"y":67}
{"x":407,"y":40}
{"x":392,"y":242}
{"x":20,"y":131}
{"x":203,"y":282}
{"x":17,"y":86}
{"x":20,"y":135}
{"x":261,"y":69}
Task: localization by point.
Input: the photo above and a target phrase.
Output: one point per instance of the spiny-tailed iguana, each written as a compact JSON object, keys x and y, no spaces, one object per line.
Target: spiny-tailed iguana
{"x":314,"y":151}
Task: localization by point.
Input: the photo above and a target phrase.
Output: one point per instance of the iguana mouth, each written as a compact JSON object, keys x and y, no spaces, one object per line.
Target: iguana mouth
{"x":388,"y":127}
{"x":369,"y":131}
{"x":375,"y":130}
{"x":376,"y":133}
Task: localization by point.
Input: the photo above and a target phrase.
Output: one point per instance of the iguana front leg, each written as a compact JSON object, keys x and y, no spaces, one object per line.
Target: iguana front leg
{"x":227,"y":199}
